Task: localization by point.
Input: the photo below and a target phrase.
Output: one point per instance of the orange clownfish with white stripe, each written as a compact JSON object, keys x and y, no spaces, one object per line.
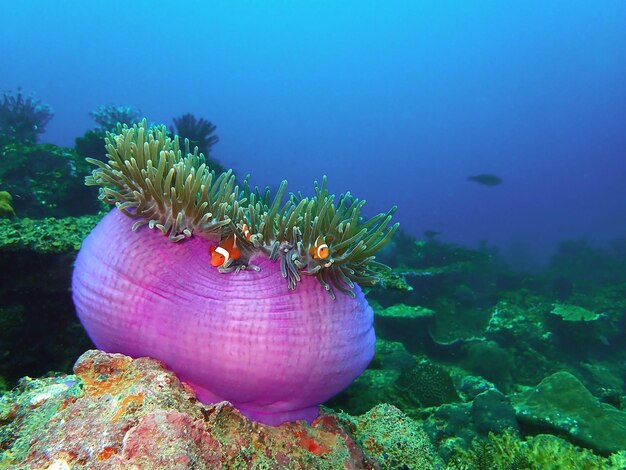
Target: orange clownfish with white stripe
{"x":227,"y":250}
{"x":320,"y":249}
{"x":246,"y":232}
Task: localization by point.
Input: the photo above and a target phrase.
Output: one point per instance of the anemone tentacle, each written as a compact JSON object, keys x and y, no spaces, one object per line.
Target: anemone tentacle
{"x":150,"y":178}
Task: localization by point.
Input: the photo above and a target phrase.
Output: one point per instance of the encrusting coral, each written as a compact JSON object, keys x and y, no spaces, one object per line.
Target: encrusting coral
{"x":149,"y":177}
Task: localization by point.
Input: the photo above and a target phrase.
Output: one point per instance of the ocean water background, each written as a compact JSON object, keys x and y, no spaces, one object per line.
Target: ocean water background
{"x":397,"y":102}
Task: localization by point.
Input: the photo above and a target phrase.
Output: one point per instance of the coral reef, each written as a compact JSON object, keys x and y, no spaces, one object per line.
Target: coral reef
{"x":39,"y":330}
{"x":117,"y":413}
{"x":490,"y":361}
{"x":45,"y":180}
{"x":578,"y":331}
{"x":574,"y":313}
{"x":109,"y":116}
{"x":390,"y":280}
{"x":394,"y":440}
{"x":492,"y":412}
{"x":405,"y":323}
{"x":561,"y":404}
{"x":22,"y":118}
{"x":586,"y":266}
{"x":91,"y":145}
{"x":199,"y":132}
{"x":481,"y":360}
{"x":46,"y":236}
{"x":429,"y":272}
{"x":427,"y":384}
{"x":542,"y":452}
{"x":517,"y":324}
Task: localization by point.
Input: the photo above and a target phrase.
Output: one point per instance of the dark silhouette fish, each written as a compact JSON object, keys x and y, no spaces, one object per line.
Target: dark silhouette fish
{"x":487,"y":180}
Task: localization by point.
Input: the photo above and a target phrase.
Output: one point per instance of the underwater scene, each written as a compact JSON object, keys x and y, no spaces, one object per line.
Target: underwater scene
{"x":313,"y":235}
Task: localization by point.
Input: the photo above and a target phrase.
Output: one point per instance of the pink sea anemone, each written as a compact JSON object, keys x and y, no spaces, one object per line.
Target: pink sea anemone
{"x":260,"y":331}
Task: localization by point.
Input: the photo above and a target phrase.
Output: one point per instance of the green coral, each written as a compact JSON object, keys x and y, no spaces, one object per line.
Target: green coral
{"x":562,"y":404}
{"x":541,"y":452}
{"x":150,"y":178}
{"x":427,"y":384}
{"x":46,"y":235}
{"x":394,"y":439}
{"x":393,"y":280}
{"x":405,"y":311}
{"x":574,"y":313}
{"x":45,"y":180}
{"x":6,"y":209}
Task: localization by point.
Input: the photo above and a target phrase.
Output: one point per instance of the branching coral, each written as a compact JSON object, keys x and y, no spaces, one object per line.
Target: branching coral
{"x":200,"y":132}
{"x":22,"y":118}
{"x":149,"y":177}
{"x":108,"y":116}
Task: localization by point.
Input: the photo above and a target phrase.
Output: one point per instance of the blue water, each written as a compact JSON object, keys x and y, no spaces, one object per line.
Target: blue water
{"x":397,"y":102}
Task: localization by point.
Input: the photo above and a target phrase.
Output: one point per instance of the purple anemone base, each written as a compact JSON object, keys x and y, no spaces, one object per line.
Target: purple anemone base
{"x":275,"y":354}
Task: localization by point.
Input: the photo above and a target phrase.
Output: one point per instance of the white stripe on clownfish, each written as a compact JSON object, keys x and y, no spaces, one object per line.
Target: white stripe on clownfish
{"x":320,"y":249}
{"x":223,"y":252}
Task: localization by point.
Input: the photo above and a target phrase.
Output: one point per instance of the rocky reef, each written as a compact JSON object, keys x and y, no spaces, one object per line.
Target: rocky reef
{"x":116,"y":412}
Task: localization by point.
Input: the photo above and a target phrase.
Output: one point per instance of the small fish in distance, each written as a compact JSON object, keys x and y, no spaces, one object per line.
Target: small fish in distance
{"x":486,"y":179}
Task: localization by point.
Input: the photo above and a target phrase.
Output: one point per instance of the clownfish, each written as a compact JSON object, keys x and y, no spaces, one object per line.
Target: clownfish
{"x":320,"y":249}
{"x":225,"y":251}
{"x":246,"y":232}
